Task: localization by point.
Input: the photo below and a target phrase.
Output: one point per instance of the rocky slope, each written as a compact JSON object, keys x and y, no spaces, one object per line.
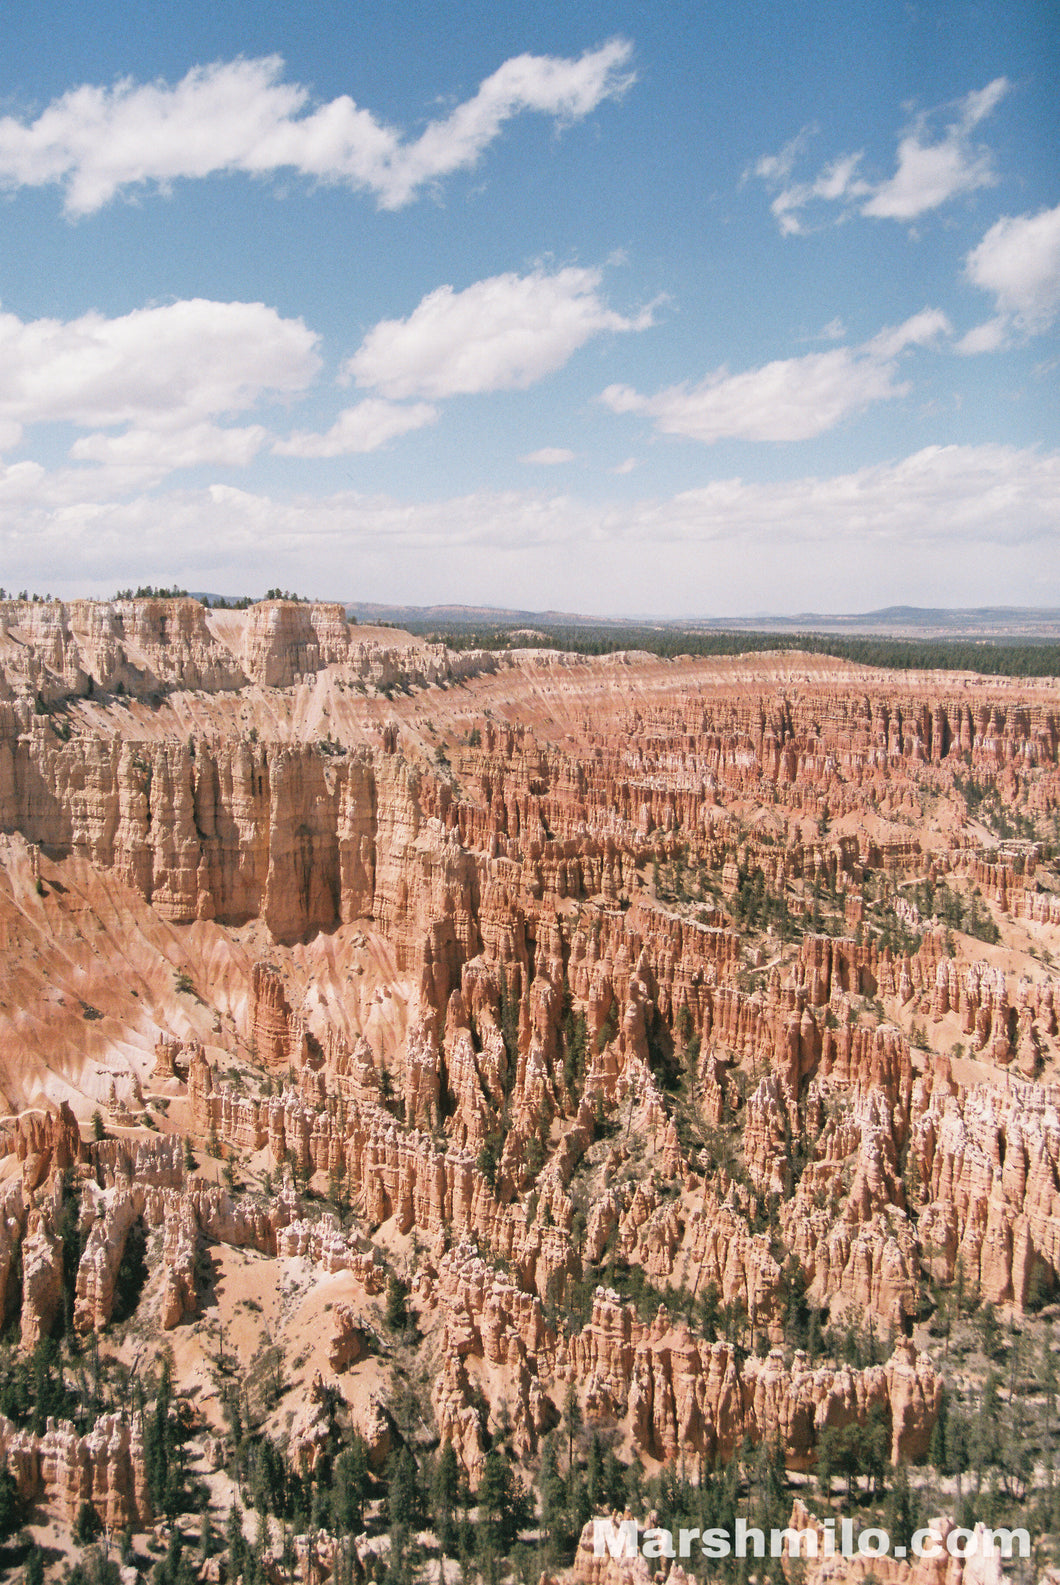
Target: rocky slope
{"x":644,"y":1018}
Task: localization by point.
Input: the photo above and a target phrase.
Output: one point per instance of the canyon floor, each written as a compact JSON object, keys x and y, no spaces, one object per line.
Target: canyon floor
{"x":450,"y":1095}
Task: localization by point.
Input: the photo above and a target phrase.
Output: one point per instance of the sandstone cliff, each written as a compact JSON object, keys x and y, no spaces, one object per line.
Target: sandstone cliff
{"x":650,"y":1019}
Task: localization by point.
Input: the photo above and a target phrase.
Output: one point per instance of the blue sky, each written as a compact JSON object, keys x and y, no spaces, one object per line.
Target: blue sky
{"x":676,"y":310}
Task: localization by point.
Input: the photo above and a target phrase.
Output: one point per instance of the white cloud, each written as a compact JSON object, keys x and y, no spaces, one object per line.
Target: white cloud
{"x":240,"y":116}
{"x":550,"y":456}
{"x":987,"y":337}
{"x":957,"y":494}
{"x":140,"y":456}
{"x":790,"y":399}
{"x":930,"y":170}
{"x":837,"y":181}
{"x":777,"y":168}
{"x":930,"y":173}
{"x":156,"y":367}
{"x":971,"y":512}
{"x":918,"y":331}
{"x":1019,"y":261}
{"x":503,"y":333}
{"x":363,"y":428}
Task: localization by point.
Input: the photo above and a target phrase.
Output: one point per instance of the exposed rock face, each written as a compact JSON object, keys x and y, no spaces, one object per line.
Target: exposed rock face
{"x":941,"y":1570}
{"x":180,"y":1246}
{"x":141,"y":647}
{"x":42,"y":1282}
{"x":271,"y":1019}
{"x":372,"y":1423}
{"x":98,"y":1270}
{"x":595,"y":978}
{"x":306,"y":838}
{"x":284,"y":641}
{"x":988,"y":1164}
{"x":12,"y":1224}
{"x":588,"y":1569}
{"x":152,"y":644}
{"x":348,"y":1343}
{"x":676,"y":1393}
{"x":104,"y":1468}
{"x":44,"y":1141}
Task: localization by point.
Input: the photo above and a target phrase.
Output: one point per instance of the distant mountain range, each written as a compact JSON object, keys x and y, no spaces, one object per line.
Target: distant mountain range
{"x":892,"y":621}
{"x":896,"y":621}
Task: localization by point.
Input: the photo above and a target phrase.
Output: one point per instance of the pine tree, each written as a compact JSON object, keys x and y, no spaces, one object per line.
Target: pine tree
{"x":874,"y":1449}
{"x":11,"y":1507}
{"x":555,"y":1521}
{"x":502,"y":1504}
{"x":207,"y":1535}
{"x":594,"y":1473}
{"x":163,"y":1452}
{"x":1047,"y":1375}
{"x":939,"y":1446}
{"x":397,"y":1315}
{"x":235,"y":1543}
{"x":614,"y":1479}
{"x":349,"y":1487}
{"x":769,"y":1485}
{"x":87,"y":1525}
{"x":572,"y":1420}
{"x":901,"y":1514}
{"x":827,"y":1462}
{"x":402,"y":1497}
{"x":445,"y":1492}
{"x":984,"y":1438}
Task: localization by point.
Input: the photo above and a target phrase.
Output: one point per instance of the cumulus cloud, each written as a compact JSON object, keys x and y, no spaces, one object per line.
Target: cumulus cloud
{"x":241,"y":116}
{"x":918,"y":331}
{"x":956,"y":495}
{"x":987,"y":337}
{"x":550,"y":456}
{"x":149,"y":387}
{"x":1019,"y":261}
{"x":365,"y":427}
{"x":503,"y":333}
{"x":952,"y":504}
{"x":931,"y":169}
{"x":138,"y":457}
{"x":153,"y":368}
{"x":790,"y":399}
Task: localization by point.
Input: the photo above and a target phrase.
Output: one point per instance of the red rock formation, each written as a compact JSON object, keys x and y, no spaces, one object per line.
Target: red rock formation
{"x":270,"y":1018}
{"x":104,"y":1468}
{"x":348,"y":1342}
{"x":44,"y":1141}
{"x":520,"y":1010}
{"x":98,"y":1270}
{"x":676,"y":1393}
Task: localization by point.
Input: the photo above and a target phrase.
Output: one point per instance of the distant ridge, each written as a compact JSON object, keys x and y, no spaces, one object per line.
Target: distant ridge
{"x":896,"y":621}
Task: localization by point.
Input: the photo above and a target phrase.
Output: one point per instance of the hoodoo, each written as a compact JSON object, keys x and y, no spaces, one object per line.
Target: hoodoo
{"x":599,"y":1069}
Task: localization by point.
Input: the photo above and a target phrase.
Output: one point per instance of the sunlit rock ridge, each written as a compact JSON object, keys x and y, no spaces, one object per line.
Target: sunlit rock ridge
{"x":617,"y":1032}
